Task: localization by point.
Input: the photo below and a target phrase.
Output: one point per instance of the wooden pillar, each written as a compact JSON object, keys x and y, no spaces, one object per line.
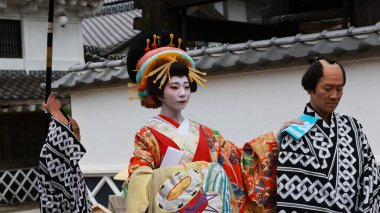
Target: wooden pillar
{"x":156,"y":17}
{"x":365,"y":12}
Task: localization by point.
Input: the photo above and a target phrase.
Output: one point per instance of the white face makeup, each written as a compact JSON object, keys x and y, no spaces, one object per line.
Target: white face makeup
{"x":176,"y":94}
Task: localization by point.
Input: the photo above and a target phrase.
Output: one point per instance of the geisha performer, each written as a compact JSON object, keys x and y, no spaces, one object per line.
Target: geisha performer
{"x":180,"y":165}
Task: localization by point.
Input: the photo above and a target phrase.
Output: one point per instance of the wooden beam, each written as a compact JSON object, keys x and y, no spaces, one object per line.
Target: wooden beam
{"x":302,"y":17}
{"x":312,"y":16}
{"x":198,"y":29}
{"x":155,"y":16}
{"x":138,"y":4}
{"x":365,"y":13}
{"x":188,"y":3}
{"x":143,"y":23}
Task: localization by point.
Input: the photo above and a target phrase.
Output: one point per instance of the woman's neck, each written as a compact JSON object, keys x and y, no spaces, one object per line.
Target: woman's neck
{"x":177,"y":116}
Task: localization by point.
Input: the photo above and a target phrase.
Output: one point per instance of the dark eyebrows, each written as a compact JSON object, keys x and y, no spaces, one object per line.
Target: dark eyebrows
{"x":178,"y":83}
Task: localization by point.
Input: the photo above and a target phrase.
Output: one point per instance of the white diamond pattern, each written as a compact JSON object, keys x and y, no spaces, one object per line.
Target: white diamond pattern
{"x":21,"y":191}
{"x":331,"y":168}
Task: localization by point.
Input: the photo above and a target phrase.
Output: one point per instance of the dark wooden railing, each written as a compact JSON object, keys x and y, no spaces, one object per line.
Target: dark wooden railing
{"x":21,"y":139}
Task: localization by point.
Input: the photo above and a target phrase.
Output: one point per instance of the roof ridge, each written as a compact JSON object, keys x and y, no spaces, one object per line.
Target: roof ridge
{"x":30,"y":72}
{"x":13,"y":72}
{"x":250,"y":44}
{"x":325,"y":34}
{"x":116,"y":7}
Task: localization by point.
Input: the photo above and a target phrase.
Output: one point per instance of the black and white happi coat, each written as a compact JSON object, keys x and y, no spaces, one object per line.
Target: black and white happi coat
{"x":61,"y":185}
{"x":330,"y":169}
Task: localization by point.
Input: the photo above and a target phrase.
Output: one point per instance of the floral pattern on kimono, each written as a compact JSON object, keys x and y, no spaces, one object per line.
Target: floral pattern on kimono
{"x":250,"y":170}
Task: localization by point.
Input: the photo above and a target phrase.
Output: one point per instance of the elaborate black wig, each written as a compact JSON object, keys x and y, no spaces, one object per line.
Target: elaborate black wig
{"x":137,"y":51}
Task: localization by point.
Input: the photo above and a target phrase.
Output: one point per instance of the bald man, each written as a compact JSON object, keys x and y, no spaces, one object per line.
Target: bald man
{"x":331,"y":167}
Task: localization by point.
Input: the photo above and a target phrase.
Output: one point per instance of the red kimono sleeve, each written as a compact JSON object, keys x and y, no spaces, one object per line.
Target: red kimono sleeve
{"x":146,"y":153}
{"x":251,"y":170}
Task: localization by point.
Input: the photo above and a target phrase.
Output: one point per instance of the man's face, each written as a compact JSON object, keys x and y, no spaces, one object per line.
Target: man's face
{"x":328,"y":91}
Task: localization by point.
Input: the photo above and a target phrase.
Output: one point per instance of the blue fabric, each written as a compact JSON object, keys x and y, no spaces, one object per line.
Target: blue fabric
{"x":297,"y":131}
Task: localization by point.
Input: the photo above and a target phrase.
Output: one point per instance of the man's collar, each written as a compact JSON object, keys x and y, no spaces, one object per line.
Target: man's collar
{"x":309,"y":110}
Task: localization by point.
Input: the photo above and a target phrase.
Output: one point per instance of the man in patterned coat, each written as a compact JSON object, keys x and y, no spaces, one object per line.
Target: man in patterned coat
{"x":61,"y":185}
{"x":331,"y":168}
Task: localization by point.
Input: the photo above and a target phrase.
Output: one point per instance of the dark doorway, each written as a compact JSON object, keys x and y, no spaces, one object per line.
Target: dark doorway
{"x":21,"y":139}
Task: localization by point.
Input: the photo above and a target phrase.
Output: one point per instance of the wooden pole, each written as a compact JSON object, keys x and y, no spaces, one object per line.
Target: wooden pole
{"x":49,"y":50}
{"x":49,"y":58}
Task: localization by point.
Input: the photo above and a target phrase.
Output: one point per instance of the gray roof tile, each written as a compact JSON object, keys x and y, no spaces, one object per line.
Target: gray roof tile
{"x":248,"y":54}
{"x":22,"y":85}
{"x":309,"y":37}
{"x":117,"y":6}
{"x":110,"y":31}
{"x":92,"y":76}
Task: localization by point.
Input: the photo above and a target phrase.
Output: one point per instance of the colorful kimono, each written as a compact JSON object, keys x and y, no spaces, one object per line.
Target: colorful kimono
{"x":61,"y":185}
{"x":213,"y":175}
{"x":330,"y":169}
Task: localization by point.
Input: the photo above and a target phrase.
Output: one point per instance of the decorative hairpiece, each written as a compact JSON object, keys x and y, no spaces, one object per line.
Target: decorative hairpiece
{"x":157,"y":61}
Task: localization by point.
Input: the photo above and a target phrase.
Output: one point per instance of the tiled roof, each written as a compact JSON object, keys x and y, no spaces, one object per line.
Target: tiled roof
{"x":110,"y":31}
{"x":261,"y":53}
{"x":116,"y":6}
{"x":108,"y":2}
{"x":248,"y":54}
{"x":94,"y":73}
{"x":91,"y":54}
{"x":20,"y":85}
{"x":82,"y":8}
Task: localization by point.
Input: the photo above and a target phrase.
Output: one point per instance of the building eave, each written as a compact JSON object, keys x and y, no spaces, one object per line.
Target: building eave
{"x":250,"y":54}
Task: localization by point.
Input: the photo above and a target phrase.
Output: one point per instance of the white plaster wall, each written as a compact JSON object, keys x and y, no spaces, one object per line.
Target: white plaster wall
{"x":67,"y":44}
{"x":241,"y":106}
{"x":67,"y":41}
{"x":108,"y":122}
